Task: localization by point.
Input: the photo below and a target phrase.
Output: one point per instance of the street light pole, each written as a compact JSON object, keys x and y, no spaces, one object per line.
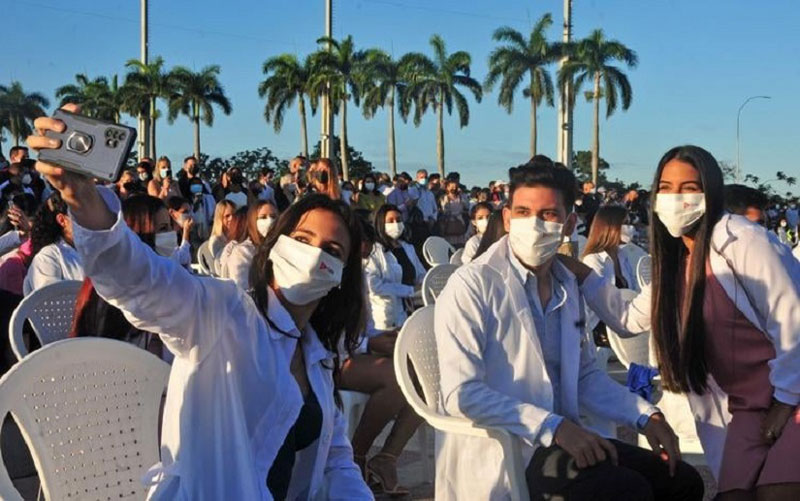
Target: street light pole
{"x":326,"y":133}
{"x":564,"y":137}
{"x":738,"y":153}
{"x":143,"y":141}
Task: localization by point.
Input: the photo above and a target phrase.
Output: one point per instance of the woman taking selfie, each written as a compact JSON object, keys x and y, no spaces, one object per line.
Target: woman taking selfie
{"x":726,"y":322}
{"x":250,"y":410}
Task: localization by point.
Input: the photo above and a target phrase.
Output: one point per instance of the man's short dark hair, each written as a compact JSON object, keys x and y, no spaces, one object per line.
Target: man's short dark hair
{"x":266,"y":171}
{"x":190,"y":157}
{"x":14,"y":149}
{"x":175,"y":202}
{"x":434,"y":177}
{"x":739,"y":197}
{"x":540,"y":171}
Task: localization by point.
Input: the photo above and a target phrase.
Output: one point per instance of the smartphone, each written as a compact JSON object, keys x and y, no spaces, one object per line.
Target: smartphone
{"x":89,"y":146}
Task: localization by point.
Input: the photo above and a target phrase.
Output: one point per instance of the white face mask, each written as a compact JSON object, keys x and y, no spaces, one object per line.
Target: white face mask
{"x":302,"y":272}
{"x":165,"y":243}
{"x":783,"y":224}
{"x":143,"y":176}
{"x":679,"y":212}
{"x":627,"y":232}
{"x":346,"y":195}
{"x":395,"y":230}
{"x":163,"y":173}
{"x":263,"y":225}
{"x":481,"y":225}
{"x":534,"y":240}
{"x":26,"y":179}
{"x":369,"y":186}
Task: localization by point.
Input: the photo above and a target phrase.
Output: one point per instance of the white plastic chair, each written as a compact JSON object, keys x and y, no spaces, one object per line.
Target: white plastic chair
{"x":456,"y":258}
{"x":644,"y":271}
{"x":437,"y":250}
{"x":434,"y":282}
{"x":88,"y":411}
{"x":205,"y":259}
{"x":416,"y":342}
{"x":50,"y":311}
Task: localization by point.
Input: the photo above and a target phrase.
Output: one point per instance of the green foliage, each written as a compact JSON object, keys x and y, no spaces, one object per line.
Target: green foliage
{"x":250,"y":161}
{"x":195,"y":94}
{"x":582,"y":166}
{"x":359,"y":166}
{"x":286,"y":80}
{"x":98,"y":97}
{"x":18,"y":110}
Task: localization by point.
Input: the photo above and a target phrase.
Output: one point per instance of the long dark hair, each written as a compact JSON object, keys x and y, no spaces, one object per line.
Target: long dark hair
{"x":678,"y":328}
{"x":495,"y":230}
{"x":45,"y":229}
{"x":139,"y":212}
{"x":380,"y":225}
{"x":605,"y":233}
{"x":341,"y":312}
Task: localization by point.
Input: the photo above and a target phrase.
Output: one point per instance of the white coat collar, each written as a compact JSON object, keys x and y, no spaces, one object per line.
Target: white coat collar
{"x":556,"y":270}
{"x":313,"y":350}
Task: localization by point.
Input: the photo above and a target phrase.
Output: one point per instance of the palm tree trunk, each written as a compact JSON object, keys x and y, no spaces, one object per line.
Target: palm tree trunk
{"x":196,"y":120}
{"x":392,"y":154}
{"x":152,"y":152}
{"x":596,"y":130}
{"x":533,"y":124}
{"x":440,"y":134}
{"x":301,"y":106}
{"x":343,"y":142}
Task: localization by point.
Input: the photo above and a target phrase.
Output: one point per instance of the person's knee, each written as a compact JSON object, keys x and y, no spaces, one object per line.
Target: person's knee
{"x":687,"y":484}
{"x":619,"y":484}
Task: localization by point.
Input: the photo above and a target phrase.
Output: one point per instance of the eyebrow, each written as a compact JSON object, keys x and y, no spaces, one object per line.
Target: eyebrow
{"x":312,"y":234}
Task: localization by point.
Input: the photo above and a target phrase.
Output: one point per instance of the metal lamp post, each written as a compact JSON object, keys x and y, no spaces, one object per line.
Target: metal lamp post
{"x":738,"y":153}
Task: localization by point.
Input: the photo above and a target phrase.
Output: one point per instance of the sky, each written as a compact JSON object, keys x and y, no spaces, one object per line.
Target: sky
{"x":698,"y":61}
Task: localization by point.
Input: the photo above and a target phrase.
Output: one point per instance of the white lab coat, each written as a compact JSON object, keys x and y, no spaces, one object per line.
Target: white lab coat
{"x":385,"y":288}
{"x":231,"y":398}
{"x":471,"y":247}
{"x":53,"y":263}
{"x":183,"y":254}
{"x":760,"y":275}
{"x":236,"y":266}
{"x":602,"y":264}
{"x":492,"y":370}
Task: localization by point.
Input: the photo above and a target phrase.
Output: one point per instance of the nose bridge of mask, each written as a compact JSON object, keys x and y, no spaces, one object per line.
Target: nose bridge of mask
{"x":307,"y":260}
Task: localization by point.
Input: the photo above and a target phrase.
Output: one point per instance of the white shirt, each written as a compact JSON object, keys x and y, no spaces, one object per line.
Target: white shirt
{"x":231,"y":398}
{"x":426,"y":202}
{"x":183,"y":254}
{"x":239,"y":198}
{"x":53,"y":263}
{"x":267,"y":193}
{"x":385,"y":289}
{"x":236,"y":266}
{"x":603,"y":265}
{"x":216,"y":244}
{"x":471,"y":247}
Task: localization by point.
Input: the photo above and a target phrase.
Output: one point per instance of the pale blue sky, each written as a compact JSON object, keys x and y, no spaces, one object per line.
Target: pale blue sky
{"x":699,"y":59}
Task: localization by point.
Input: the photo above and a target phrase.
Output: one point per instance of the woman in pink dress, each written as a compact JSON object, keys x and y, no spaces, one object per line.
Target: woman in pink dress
{"x":726,"y":319}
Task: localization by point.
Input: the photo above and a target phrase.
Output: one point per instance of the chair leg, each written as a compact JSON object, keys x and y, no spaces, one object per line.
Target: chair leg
{"x":424,"y":437}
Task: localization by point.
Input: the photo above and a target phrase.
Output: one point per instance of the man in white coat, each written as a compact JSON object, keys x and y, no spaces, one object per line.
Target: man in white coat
{"x":514,"y":354}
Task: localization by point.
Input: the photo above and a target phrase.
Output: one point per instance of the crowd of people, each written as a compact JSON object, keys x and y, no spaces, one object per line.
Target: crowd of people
{"x":314,"y":276}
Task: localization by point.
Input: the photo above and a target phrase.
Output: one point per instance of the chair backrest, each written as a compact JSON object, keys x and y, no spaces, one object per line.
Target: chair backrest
{"x":456,"y":257}
{"x":630,"y":349}
{"x":437,"y":250}
{"x":434,"y":282}
{"x":205,"y":259}
{"x":417,"y":342}
{"x":644,"y":271}
{"x":88,"y":411}
{"x":50,"y":311}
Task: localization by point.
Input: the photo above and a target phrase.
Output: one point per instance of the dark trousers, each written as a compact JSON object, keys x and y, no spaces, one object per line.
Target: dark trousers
{"x":639,"y":476}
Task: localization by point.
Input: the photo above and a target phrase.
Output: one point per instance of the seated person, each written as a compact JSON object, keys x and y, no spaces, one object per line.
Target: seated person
{"x":182,"y":222}
{"x":479,"y":217}
{"x":260,"y":218}
{"x":513,"y":354}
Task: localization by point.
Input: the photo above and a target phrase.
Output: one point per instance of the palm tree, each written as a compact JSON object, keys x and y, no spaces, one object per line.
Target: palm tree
{"x":342,"y":68}
{"x":591,"y":58}
{"x":19,"y":109}
{"x":384,"y":85}
{"x":435,"y":83}
{"x":196,"y":93}
{"x":286,"y":81}
{"x":147,"y":82}
{"x":511,"y":62}
{"x":97,"y":97}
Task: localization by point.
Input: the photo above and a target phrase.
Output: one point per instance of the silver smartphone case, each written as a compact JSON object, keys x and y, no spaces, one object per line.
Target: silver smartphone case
{"x":90,"y":146}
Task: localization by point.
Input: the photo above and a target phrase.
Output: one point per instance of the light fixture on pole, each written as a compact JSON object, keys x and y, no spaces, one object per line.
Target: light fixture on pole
{"x":738,"y":154}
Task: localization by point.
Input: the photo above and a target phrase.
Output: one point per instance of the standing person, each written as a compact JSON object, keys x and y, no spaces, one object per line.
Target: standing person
{"x":400,"y":197}
{"x":162,"y":185}
{"x":144,"y":175}
{"x":267,"y":192}
{"x":736,"y":291}
{"x":189,"y":171}
{"x":513,"y":354}
{"x":454,"y":215}
{"x":235,"y":190}
{"x":479,"y":217}
{"x":260,"y":218}
{"x":221,"y":231}
{"x":289,"y":182}
{"x":53,"y":255}
{"x":369,"y":198}
{"x":250,"y":410}
{"x":435,"y":187}
{"x":425,"y":199}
